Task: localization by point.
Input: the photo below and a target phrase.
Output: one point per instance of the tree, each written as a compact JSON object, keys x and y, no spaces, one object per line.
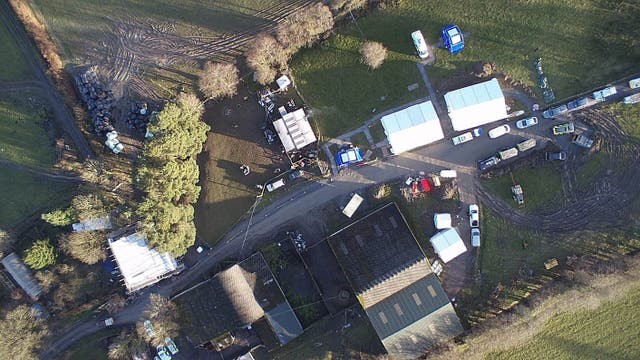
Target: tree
{"x":175,"y":180}
{"x":88,"y":206}
{"x":266,"y":56}
{"x":168,"y":227}
{"x":22,"y":333}
{"x":373,"y":54}
{"x":304,"y":27}
{"x":163,"y":316}
{"x":60,"y":217}
{"x":40,"y":255}
{"x":88,"y":247}
{"x":342,"y":7}
{"x":219,"y":80}
{"x":126,"y":346}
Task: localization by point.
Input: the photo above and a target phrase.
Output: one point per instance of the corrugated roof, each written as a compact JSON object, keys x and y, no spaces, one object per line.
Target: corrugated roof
{"x":294,"y":130}
{"x":476,"y":105}
{"x":415,"y":126}
{"x":21,"y":274}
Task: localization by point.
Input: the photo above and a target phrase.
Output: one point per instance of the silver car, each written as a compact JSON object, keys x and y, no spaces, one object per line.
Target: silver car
{"x":528,"y":122}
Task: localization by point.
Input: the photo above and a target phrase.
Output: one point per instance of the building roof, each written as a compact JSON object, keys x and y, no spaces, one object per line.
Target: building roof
{"x":102,"y":223}
{"x":476,"y":105}
{"x":294,"y":130}
{"x":415,"y":126}
{"x":236,"y":297}
{"x":139,"y":264}
{"x":448,"y":244}
{"x":21,"y":274}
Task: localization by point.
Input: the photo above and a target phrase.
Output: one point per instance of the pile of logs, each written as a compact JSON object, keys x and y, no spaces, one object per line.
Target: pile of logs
{"x":99,"y":101}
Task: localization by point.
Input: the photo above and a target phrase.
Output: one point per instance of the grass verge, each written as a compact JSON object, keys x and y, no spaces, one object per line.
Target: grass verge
{"x":91,"y":347}
{"x":13,"y":65}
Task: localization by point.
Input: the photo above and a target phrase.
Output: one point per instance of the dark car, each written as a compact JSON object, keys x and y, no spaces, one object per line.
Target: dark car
{"x":549,"y":113}
{"x":556,"y":156}
{"x":577,"y":103}
{"x":487,"y":163}
{"x":296,"y":174}
{"x":270,"y":136}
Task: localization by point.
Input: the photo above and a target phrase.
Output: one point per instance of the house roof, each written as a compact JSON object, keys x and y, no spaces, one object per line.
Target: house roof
{"x":236,"y":297}
{"x":415,"y":126}
{"x":448,"y":244}
{"x":476,"y":105}
{"x":139,"y":264}
{"x":21,"y":274}
{"x":294,"y":130}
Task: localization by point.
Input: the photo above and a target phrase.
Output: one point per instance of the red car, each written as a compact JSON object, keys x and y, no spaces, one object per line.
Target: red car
{"x":425,"y":185}
{"x":414,"y":187}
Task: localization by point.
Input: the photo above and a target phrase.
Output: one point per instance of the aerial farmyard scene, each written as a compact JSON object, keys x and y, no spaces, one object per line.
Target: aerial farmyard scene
{"x":319,"y":179}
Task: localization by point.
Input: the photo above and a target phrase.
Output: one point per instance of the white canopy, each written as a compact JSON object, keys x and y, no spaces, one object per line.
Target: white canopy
{"x":415,"y":126}
{"x":283,"y":82}
{"x":448,"y":244}
{"x":353,"y":205}
{"x":476,"y":105}
{"x":140,"y":265}
{"x":294,"y":130}
{"x":442,"y":221}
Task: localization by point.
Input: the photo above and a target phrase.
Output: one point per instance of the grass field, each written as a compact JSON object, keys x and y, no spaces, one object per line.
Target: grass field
{"x":91,"y":347}
{"x":629,"y":118}
{"x":13,"y":65}
{"x":21,"y":194}
{"x":23,"y":137}
{"x":610,"y":331}
{"x":541,"y":186}
{"x":590,"y":170}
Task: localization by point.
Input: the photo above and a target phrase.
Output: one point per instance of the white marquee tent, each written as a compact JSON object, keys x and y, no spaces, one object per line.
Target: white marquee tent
{"x":448,"y":244}
{"x":476,"y":105}
{"x":415,"y":126}
{"x":294,"y":130}
{"x":442,"y":221}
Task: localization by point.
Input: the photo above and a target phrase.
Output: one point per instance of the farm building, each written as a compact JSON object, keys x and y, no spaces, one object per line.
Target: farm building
{"x":294,"y":130}
{"x":394,"y":283}
{"x":448,"y":244}
{"x":140,"y":265}
{"x":415,"y":126}
{"x":22,"y":276}
{"x":244,"y":296}
{"x":476,"y":105}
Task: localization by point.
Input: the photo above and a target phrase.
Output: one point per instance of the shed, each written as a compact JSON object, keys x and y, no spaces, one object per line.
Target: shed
{"x":22,"y":276}
{"x":352,"y":205}
{"x":476,"y":105}
{"x":442,"y":221}
{"x":294,"y":130}
{"x":415,"y":126}
{"x":102,"y":223}
{"x":448,"y":244}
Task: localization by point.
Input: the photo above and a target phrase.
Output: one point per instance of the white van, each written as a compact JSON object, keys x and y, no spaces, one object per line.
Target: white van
{"x":634,"y":83}
{"x":448,"y":174}
{"x":275,"y":185}
{"x":460,"y":139}
{"x":420,"y":44}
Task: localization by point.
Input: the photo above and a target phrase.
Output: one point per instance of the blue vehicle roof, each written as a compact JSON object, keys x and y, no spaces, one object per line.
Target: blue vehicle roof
{"x":349,"y":156}
{"x":452,"y":38}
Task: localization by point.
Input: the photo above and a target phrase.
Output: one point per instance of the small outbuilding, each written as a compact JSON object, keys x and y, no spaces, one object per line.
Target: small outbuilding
{"x":442,"y":221}
{"x":352,"y":205}
{"x":95,"y":224}
{"x":294,"y":130}
{"x":22,"y":276}
{"x":476,"y":105}
{"x":410,"y":128}
{"x":448,"y":244}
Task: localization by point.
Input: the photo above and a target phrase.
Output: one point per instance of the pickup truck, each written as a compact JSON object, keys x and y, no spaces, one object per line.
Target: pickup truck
{"x":600,"y":95}
{"x":460,"y":139}
{"x":562,"y":129}
{"x":487,"y":163}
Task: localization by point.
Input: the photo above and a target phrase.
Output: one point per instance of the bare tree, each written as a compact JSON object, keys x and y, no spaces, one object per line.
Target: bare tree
{"x":163,"y":316}
{"x":88,"y":247}
{"x":22,"y":333}
{"x":304,"y":27}
{"x":266,"y":56}
{"x":126,"y":346}
{"x":218,"y":80}
{"x":373,"y":54}
{"x":341,"y":7}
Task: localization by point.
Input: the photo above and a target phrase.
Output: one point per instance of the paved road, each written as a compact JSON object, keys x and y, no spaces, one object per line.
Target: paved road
{"x":38,"y":69}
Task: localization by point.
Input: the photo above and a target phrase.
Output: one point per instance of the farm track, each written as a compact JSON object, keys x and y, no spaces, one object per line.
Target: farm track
{"x":33,"y":58}
{"x":51,"y":175}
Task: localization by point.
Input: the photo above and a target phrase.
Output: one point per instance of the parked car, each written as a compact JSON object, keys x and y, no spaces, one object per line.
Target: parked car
{"x":424,"y":183}
{"x":582,"y":140}
{"x":348,"y":156}
{"x":477,"y":132}
{"x":448,"y":174}
{"x":275,"y":185}
{"x":460,"y":139}
{"x":296,"y":174}
{"x":518,"y":194}
{"x":487,"y":163}
{"x":561,"y":155}
{"x":171,"y":345}
{"x":420,"y":44}
{"x":562,"y":129}
{"x":505,"y":154}
{"x":499,"y":131}
{"x":270,"y":136}
{"x":526,"y":144}
{"x":474,"y":215}
{"x":552,"y":112}
{"x":148,"y":328}
{"x":601,"y":95}
{"x":577,"y":103}
{"x":634,"y":83}
{"x":475,"y":237}
{"x":452,"y":38}
{"x":631,"y":99}
{"x":528,"y":122}
{"x":163,"y":354}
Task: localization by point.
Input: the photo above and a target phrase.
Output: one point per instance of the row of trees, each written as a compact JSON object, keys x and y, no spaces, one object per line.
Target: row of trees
{"x":168,"y":174}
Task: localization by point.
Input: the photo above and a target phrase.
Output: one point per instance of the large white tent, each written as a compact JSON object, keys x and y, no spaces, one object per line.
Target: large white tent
{"x":448,"y":244}
{"x":415,"y":126}
{"x":294,"y":130}
{"x":476,"y":105}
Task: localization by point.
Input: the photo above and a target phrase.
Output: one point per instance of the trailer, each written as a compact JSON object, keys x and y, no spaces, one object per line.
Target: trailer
{"x":526,"y":145}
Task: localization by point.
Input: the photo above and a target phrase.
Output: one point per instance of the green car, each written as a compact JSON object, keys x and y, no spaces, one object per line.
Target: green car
{"x":563,"y":129}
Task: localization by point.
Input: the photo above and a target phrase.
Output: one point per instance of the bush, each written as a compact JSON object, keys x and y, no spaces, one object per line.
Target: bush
{"x":40,"y":255}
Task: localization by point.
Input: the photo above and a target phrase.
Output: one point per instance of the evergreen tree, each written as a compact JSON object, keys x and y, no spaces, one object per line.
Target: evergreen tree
{"x":40,"y":255}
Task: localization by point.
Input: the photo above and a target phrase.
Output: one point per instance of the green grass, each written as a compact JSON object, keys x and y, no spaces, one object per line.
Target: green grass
{"x":377,"y":132}
{"x":21,"y":194}
{"x":590,"y":170}
{"x":360,"y":139}
{"x":541,"y":186}
{"x":629,"y":118}
{"x":343,"y":91}
{"x":610,"y":331}
{"x":13,"y":64}
{"x":23,"y":137}
{"x":91,"y":347}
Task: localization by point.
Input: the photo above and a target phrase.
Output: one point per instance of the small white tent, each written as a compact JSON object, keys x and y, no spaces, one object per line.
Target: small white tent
{"x":415,"y":126}
{"x":448,"y":244}
{"x":442,"y":221}
{"x":476,"y":105}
